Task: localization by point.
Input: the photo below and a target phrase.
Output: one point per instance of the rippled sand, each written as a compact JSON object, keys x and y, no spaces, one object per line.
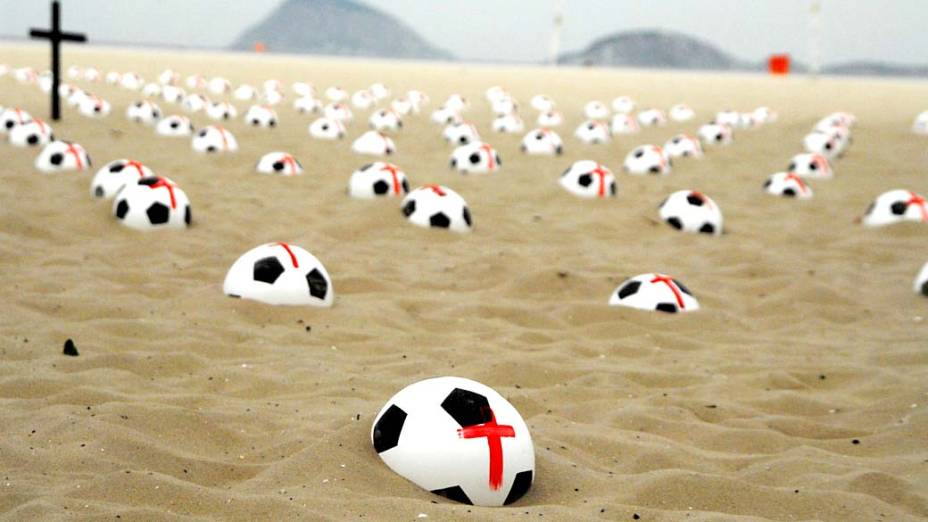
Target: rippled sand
{"x":185,"y":404}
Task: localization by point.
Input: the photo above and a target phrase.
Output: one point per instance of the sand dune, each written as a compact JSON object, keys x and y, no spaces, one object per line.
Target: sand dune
{"x":187,"y":405}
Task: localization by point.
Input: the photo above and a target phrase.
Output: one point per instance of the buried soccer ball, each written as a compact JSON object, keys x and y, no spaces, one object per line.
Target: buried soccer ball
{"x":814,"y":166}
{"x":588,"y":179}
{"x":896,"y":206}
{"x":550,"y":119}
{"x":279,"y":163}
{"x":510,"y":124}
{"x":93,"y":107}
{"x":221,"y":111}
{"x":830,"y":143}
{"x":378,"y":180}
{"x":446,"y":116}
{"x":647,"y":159}
{"x":437,"y":206}
{"x":12,"y":117}
{"x":338,"y":111}
{"x":681,"y":112}
{"x":152,"y":203}
{"x":596,"y":110}
{"x":214,"y":139}
{"x":542,"y":142}
{"x":279,"y":274}
{"x":652,"y":118}
{"x":362,"y":100}
{"x":145,"y":112}
{"x":920,"y":125}
{"x":62,"y":155}
{"x":715,"y":134}
{"x":654,"y":292}
{"x":456,"y":438}
{"x":683,"y":145}
{"x":475,"y":158}
{"x":623,"y":104}
{"x":593,"y":132}
{"x":385,"y":120}
{"x":624,"y":124}
{"x":31,"y":134}
{"x":327,"y":129}
{"x":373,"y":143}
{"x":194,"y":102}
{"x":460,"y":133}
{"x":542,"y":103}
{"x":115,"y":175}
{"x":174,"y":126}
{"x":692,"y":211}
{"x":921,"y":281}
{"x":261,"y":116}
{"x":307,"y":104}
{"x":787,"y":184}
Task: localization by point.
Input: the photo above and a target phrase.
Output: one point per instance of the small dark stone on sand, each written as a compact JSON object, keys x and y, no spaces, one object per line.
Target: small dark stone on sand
{"x":636,"y":516}
{"x":822,"y":377}
{"x":309,"y":328}
{"x":855,"y":441}
{"x":562,"y":274}
{"x":70,"y":349}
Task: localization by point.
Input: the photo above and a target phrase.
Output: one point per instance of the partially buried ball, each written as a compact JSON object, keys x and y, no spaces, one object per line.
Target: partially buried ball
{"x":152,"y":203}
{"x":213,"y":139}
{"x":456,"y":438}
{"x":896,"y":206}
{"x":788,"y":185}
{"x":475,"y":158}
{"x":692,"y":211}
{"x":115,"y":175}
{"x":589,"y":179}
{"x":280,"y":274}
{"x":62,"y":155}
{"x":279,"y":163}
{"x":31,"y":134}
{"x":921,"y":281}
{"x":437,"y":206}
{"x":654,"y":292}
{"x":373,"y":143}
{"x":378,"y":180}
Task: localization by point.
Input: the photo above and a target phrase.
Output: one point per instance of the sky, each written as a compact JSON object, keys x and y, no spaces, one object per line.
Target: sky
{"x":520,"y":30}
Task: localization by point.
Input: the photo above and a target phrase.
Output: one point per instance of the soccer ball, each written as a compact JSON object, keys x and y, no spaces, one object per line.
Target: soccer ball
{"x":623,"y":105}
{"x":654,"y":292}
{"x":510,"y":124}
{"x":261,"y":116}
{"x":303,"y":89}
{"x":338,"y":111}
{"x":809,"y":165}
{"x":374,"y":144}
{"x":31,"y":134}
{"x":830,"y":143}
{"x":379,"y":91}
{"x":475,"y":158}
{"x":172,"y":94}
{"x":11,"y":117}
{"x":336,"y":94}
{"x":402,"y":106}
{"x":715,"y":134}
{"x":279,"y":274}
{"x":542,"y":103}
{"x":593,"y":132}
{"x":62,"y":155}
{"x":921,"y":282}
{"x":195,"y":81}
{"x":692,"y":211}
{"x":327,"y":129}
{"x":378,"y":180}
{"x":460,"y":133}
{"x":152,"y":203}
{"x":728,"y":118}
{"x":306,"y":104}
{"x":787,"y":184}
{"x":647,"y":159}
{"x":836,"y":119}
{"x":279,"y":163}
{"x":417,"y":100}
{"x":456,"y":438}
{"x":495,"y":92}
{"x":588,"y":179}
{"x":624,"y":124}
{"x":214,"y":139}
{"x":596,"y":110}
{"x":151,"y":90}
{"x":131,"y":81}
{"x":504,"y":105}
{"x":143,"y":112}
{"x":93,"y":107}
{"x":362,"y":100}
{"x":542,"y":141}
{"x":896,"y":206}
{"x":446,"y":116}
{"x":683,"y":145}
{"x":168,"y":77}
{"x":437,"y":206}
{"x":219,"y":86}
{"x":763,"y":115}
{"x":194,"y":102}
{"x":174,"y":126}
{"x":245,"y":92}
{"x":272,"y":97}
{"x":681,"y":112}
{"x":456,"y":102}
{"x":221,"y":111}
{"x":920,"y":126}
{"x":113,"y":78}
{"x":385,"y":120}
{"x":652,"y":118}
{"x":115,"y":175}
{"x":549,"y":119}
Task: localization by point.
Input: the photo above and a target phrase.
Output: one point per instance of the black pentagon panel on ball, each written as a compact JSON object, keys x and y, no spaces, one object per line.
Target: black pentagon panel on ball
{"x":792,"y":167}
{"x":898,"y":208}
{"x":453,"y":493}
{"x":388,"y":428}
{"x":654,"y":169}
{"x":474,"y":158}
{"x":56,"y":158}
{"x":158,"y":213}
{"x":148,"y":181}
{"x":467,"y":408}
{"x":267,"y":270}
{"x":122,"y":208}
{"x":670,"y":308}
{"x":925,"y":289}
{"x":32,"y":139}
{"x":365,"y":167}
{"x":278,"y":166}
{"x":405,"y":185}
{"x":630,"y":288}
{"x":520,"y":486}
{"x":612,"y":189}
{"x":318,"y":285}
{"x":188,"y":216}
{"x":768,"y":183}
{"x":682,"y":288}
{"x":116,"y":168}
{"x":639,"y":153}
{"x":707,"y":228}
{"x":675,"y":222}
{"x":10,"y":123}
{"x":695,"y":200}
{"x":98,"y":192}
{"x":409,"y":207}
{"x":439,"y":220}
{"x":585,"y":180}
{"x":381,"y":187}
{"x":467,"y":218}
{"x":789,"y":192}
{"x":499,"y":161}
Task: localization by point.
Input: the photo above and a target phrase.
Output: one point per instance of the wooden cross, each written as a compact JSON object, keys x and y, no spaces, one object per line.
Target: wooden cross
{"x":55,"y":36}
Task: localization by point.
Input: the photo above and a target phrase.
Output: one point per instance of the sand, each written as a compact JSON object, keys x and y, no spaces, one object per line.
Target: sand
{"x":185,"y":404}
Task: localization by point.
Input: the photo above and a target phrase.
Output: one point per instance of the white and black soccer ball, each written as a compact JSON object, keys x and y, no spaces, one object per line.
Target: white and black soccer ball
{"x":152,"y":203}
{"x":596,"y":110}
{"x":647,"y":159}
{"x":835,"y":119}
{"x":728,"y":118}
{"x":194,"y":102}
{"x":11,"y":117}
{"x":589,"y":179}
{"x":214,"y":139}
{"x":379,"y":91}
{"x":624,"y":124}
{"x":417,"y":100}
{"x":195,"y":81}
{"x":151,"y":90}
{"x":261,"y":116}
{"x":652,"y":118}
{"x":327,"y":129}
{"x":495,"y":92}
{"x":280,"y":274}
{"x":542,"y":103}
{"x":93,"y":107}
{"x":811,"y":165}
{"x":654,"y":292}
{"x":362,"y":100}
{"x":307,"y":104}
{"x":715,"y":134}
{"x":683,"y":146}
{"x":112,"y":177}
{"x":218,"y":86}
{"x":168,"y":77}
{"x":303,"y":89}
{"x":446,"y":116}
{"x":830,"y":144}
{"x":245,"y":92}
{"x":460,"y":133}
{"x":692,"y":211}
{"x":681,"y":112}
{"x":920,"y":125}
{"x":764,"y":115}
{"x":131,"y":81}
{"x":475,"y":158}
{"x":542,"y":141}
{"x":221,"y":111}
{"x":172,"y":94}
{"x":623,"y":105}
{"x":144,"y":112}
{"x":896,"y":206}
{"x":373,"y":143}
{"x":59,"y":156}
{"x":456,"y":438}
{"x":437,"y":206}
{"x":280,"y":163}
{"x":549,"y":119}
{"x":113,"y":78}
{"x":377,"y":180}
{"x":385,"y":120}
{"x":510,"y":124}
{"x":787,"y":184}
{"x":593,"y":132}
{"x":338,"y":111}
{"x":403,"y":106}
{"x":272,"y":97}
{"x":336,"y":94}
{"x":31,"y":134}
{"x":174,"y":126}
{"x":921,"y":281}
{"x":456,"y":102}
{"x":504,"y":105}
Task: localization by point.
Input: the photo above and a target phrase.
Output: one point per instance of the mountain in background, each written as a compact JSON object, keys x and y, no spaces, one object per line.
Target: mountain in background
{"x":339,"y":28}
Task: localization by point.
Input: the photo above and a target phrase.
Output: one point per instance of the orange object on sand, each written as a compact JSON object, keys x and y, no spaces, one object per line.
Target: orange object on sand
{"x":778,"y":64}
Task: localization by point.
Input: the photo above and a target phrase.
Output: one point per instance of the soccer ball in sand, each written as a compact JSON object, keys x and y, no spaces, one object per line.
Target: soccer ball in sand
{"x":788,"y":185}
{"x":654,"y":292}
{"x":589,"y":179}
{"x":437,"y":206}
{"x":214,"y":139}
{"x":475,"y":158}
{"x":59,"y":156}
{"x":647,"y":159}
{"x":279,"y":163}
{"x":279,"y":274}
{"x":115,"y":175}
{"x":152,"y":203}
{"x":692,"y":211}
{"x":376,"y":180}
{"x":896,"y":206}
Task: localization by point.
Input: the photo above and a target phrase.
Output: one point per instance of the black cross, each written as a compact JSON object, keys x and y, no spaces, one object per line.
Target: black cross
{"x":55,"y":36}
